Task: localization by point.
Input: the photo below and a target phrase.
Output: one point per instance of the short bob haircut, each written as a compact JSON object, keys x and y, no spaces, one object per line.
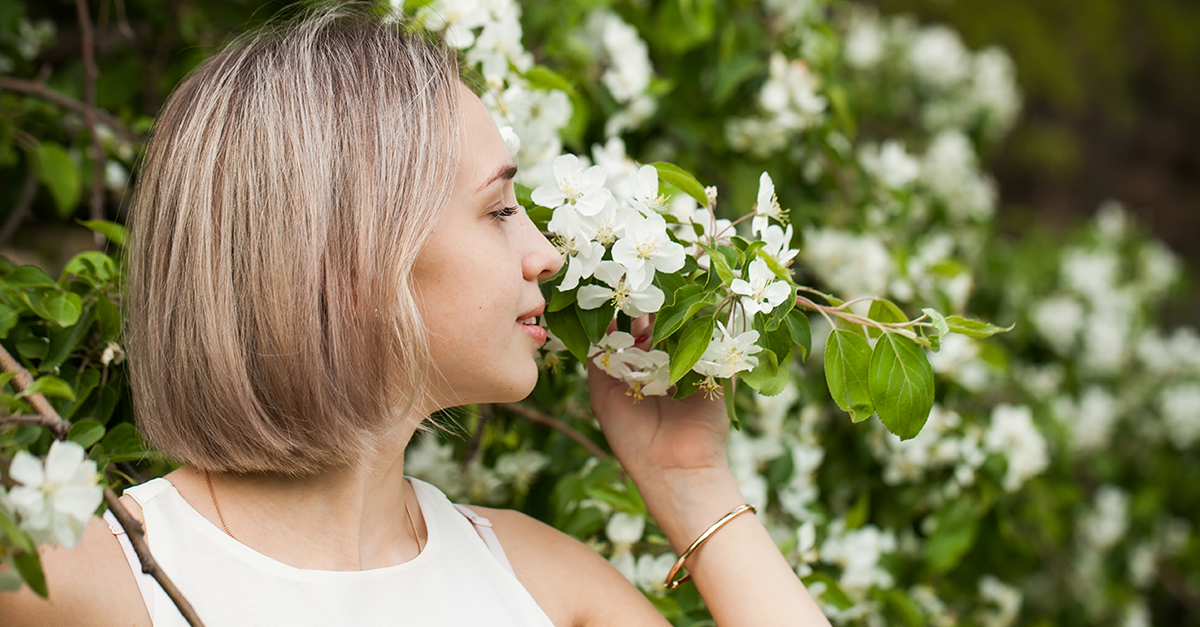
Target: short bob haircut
{"x":290,"y":182}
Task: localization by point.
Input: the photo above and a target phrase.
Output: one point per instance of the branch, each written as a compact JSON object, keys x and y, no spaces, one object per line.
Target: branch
{"x":40,"y":90}
{"x":550,"y":421}
{"x":46,"y":415}
{"x":88,"y":45}
{"x":486,"y":412}
{"x":137,"y":537}
{"x":24,"y":202}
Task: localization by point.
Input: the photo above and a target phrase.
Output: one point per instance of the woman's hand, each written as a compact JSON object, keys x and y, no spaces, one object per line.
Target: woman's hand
{"x":658,"y":434}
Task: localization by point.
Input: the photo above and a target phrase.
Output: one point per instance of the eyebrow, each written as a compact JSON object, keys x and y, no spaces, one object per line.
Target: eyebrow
{"x":505,"y":172}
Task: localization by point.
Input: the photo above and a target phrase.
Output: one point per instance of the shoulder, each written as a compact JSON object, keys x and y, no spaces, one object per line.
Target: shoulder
{"x":569,"y":580}
{"x":91,"y":585}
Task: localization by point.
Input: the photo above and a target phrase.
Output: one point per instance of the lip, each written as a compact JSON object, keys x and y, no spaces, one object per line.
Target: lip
{"x":534,"y":331}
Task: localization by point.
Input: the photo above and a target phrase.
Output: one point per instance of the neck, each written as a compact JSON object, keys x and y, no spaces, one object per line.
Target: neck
{"x":349,"y":518}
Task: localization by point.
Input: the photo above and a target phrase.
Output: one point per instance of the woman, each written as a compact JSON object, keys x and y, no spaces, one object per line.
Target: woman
{"x":328,"y":249}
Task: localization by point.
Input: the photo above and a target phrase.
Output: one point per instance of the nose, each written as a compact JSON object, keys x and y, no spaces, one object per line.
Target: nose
{"x":542,"y":260}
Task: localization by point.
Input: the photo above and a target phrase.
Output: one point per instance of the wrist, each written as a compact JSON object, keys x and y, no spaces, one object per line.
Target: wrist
{"x":686,"y":502}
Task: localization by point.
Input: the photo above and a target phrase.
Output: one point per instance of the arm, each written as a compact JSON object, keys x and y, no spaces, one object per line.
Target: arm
{"x":675,"y":453}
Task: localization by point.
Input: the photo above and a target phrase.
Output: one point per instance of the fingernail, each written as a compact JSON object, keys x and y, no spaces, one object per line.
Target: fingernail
{"x":641,"y":338}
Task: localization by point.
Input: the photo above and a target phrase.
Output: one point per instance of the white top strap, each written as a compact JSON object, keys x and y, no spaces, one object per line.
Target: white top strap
{"x":483,"y":527}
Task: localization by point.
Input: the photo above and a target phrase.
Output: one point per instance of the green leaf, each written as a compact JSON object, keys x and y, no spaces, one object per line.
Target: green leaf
{"x":566,"y":326}
{"x":833,"y":593}
{"x":58,"y":172}
{"x":86,"y":432}
{"x":953,"y":536}
{"x":92,"y":266}
{"x":5,"y":377}
{"x":29,"y":276}
{"x":780,"y":271}
{"x":719,"y":264}
{"x":938,"y":320}
{"x":901,"y":381}
{"x":10,"y":529}
{"x":801,"y":331}
{"x":847,"y":362}
{"x":560,"y":300}
{"x":903,"y":605}
{"x":692,"y":344}
{"x":112,"y":231}
{"x":49,"y":385}
{"x":30,"y":567}
{"x":109,"y":317}
{"x":768,"y":377}
{"x":8,"y":320}
{"x":542,"y":77}
{"x":63,"y":307}
{"x":780,"y":313}
{"x":860,"y":512}
{"x":688,"y":385}
{"x":64,"y":341}
{"x":596,"y":321}
{"x":974,"y":328}
{"x":671,"y":317}
{"x":33,"y":347}
{"x":682,"y":180}
{"x":884,"y":311}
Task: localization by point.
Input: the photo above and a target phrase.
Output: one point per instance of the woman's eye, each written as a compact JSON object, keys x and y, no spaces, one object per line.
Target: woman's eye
{"x":506,"y":212}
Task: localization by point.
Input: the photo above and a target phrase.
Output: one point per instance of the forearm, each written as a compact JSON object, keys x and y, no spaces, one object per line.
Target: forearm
{"x":739,"y":571}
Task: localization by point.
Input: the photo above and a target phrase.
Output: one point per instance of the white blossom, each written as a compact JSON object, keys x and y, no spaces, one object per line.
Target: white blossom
{"x":625,"y":528}
{"x":864,"y":45}
{"x":858,"y":552}
{"x":1013,"y":434}
{"x":853,"y":265}
{"x":54,"y":501}
{"x":582,"y":189}
{"x":605,"y":353}
{"x":1180,"y":407}
{"x":938,"y":56}
{"x":891,"y":164}
{"x":779,"y":242}
{"x":520,"y":468}
{"x":647,"y":248}
{"x":763,"y":292}
{"x":1005,"y":598}
{"x":767,"y":207}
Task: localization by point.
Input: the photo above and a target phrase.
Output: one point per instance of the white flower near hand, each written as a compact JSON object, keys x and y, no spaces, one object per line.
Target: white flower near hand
{"x":624,"y":528}
{"x":646,"y":248}
{"x":764,"y":292}
{"x":647,"y":373}
{"x":767,"y":207}
{"x":634,"y":299}
{"x":53,"y":503}
{"x":644,"y":186}
{"x":582,"y":189}
{"x":606,"y":353}
{"x":778,"y":240}
{"x":726,"y":356}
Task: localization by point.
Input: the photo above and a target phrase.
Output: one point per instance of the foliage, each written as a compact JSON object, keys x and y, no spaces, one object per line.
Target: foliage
{"x":1055,"y":480}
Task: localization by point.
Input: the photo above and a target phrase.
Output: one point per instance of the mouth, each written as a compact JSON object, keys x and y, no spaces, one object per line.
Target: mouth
{"x":528,"y":323}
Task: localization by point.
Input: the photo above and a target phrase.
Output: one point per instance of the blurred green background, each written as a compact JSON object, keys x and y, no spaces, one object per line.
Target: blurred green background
{"x":1112,"y":106}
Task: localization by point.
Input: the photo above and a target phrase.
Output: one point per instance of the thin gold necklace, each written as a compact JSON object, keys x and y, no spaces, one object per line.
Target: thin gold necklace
{"x":221,"y":517}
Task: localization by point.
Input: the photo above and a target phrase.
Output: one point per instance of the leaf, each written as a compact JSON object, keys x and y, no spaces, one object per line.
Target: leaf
{"x":901,"y":381}
{"x":596,"y":321}
{"x":112,"y":231}
{"x":769,"y":377}
{"x":847,"y":362}
{"x":542,"y":77}
{"x":975,"y":328}
{"x":8,"y":320}
{"x":953,"y":536}
{"x":108,"y":315}
{"x":729,"y":394}
{"x":938,"y":320}
{"x":19,"y":538}
{"x":58,"y":172}
{"x":33,"y":347}
{"x":64,"y":341}
{"x":688,"y":385}
{"x":692,"y":344}
{"x":780,"y":313}
{"x":719,"y":264}
{"x":49,"y":385}
{"x":885,"y":311}
{"x":92,"y":266}
{"x":833,"y":593}
{"x":798,"y":326}
{"x":30,"y":567}
{"x":682,"y":180}
{"x":671,"y":317}
{"x":566,"y":326}
{"x":86,"y":432}
{"x":560,"y":300}
{"x":29,"y":276}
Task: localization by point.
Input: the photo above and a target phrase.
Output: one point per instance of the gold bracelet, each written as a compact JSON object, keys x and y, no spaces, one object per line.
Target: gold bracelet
{"x":671,"y":583}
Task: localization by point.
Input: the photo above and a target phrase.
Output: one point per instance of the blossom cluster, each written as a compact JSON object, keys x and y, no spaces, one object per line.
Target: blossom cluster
{"x":53,"y":499}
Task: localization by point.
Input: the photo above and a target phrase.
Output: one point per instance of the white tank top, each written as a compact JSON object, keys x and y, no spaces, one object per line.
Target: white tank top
{"x":460,"y":578}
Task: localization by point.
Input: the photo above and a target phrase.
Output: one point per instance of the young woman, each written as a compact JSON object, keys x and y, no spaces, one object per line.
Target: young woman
{"x":327,"y":249}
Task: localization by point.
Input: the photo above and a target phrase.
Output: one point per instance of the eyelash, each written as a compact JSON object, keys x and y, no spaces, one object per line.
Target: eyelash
{"x":506,"y":212}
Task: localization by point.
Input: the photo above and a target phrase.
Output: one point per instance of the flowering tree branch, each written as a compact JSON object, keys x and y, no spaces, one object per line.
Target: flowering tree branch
{"x":49,"y":418}
{"x":550,"y":421}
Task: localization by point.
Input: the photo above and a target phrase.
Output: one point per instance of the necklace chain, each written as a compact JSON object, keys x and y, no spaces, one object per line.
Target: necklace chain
{"x":212,"y":493}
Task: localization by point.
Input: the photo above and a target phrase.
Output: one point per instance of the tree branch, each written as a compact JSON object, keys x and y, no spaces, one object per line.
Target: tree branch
{"x":88,"y":44}
{"x":24,"y":202}
{"x":486,"y":412}
{"x":137,"y":537}
{"x":40,"y":90}
{"x":46,"y":415}
{"x":550,"y":421}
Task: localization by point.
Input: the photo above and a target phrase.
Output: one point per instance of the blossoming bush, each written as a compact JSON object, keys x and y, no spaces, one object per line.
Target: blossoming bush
{"x":1045,"y":476}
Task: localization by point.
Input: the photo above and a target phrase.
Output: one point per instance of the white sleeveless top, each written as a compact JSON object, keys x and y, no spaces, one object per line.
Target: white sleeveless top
{"x":458,"y":579}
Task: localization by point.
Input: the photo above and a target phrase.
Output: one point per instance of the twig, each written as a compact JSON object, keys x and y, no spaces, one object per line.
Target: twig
{"x":550,"y":421}
{"x":59,"y":430}
{"x":46,"y":415}
{"x":825,"y":310}
{"x":24,"y":202}
{"x":40,"y":90}
{"x":90,"y":72}
{"x":486,"y":413}
{"x":137,"y":537}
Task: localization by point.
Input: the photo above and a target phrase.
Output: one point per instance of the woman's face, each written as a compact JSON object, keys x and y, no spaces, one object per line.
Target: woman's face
{"x":478,"y":274}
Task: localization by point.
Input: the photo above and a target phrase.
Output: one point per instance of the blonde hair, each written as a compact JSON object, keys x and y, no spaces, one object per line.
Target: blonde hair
{"x":288,"y":187}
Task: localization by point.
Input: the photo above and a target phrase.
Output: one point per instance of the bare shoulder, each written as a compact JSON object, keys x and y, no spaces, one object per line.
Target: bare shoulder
{"x":570,"y":581}
{"x":91,"y":585}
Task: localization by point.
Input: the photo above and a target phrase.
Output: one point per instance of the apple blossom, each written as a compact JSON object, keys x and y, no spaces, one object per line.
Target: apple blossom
{"x":54,"y":502}
{"x":764,"y":292}
{"x":646,"y":247}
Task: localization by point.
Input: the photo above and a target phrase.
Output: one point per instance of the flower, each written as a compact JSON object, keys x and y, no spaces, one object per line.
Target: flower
{"x":726,"y":356}
{"x":648,"y":373}
{"x":778,"y":240}
{"x":1013,"y":434}
{"x":607,"y":348}
{"x":582,"y":258}
{"x":891,"y":164}
{"x":644,"y":185}
{"x":583,"y":189}
{"x":764,"y":292}
{"x":54,"y":502}
{"x":767,"y":206}
{"x":646,"y":243}
{"x":635,"y":300}
{"x":625,"y":528}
